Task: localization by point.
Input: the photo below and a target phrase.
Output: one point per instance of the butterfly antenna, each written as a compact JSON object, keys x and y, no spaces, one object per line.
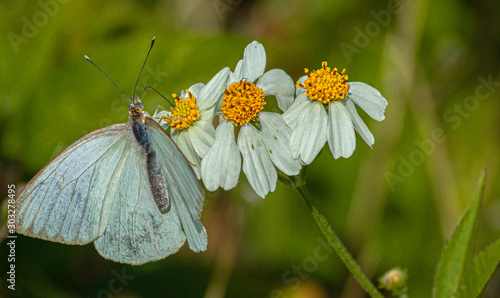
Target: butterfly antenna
{"x":88,"y":59}
{"x":152,"y":44}
{"x":156,"y":92}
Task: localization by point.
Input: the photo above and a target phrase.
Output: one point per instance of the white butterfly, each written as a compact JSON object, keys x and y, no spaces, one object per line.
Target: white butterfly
{"x":125,"y":187}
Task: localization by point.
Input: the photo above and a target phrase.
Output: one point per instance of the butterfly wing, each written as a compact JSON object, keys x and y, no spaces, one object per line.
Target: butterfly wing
{"x":98,"y":189}
{"x":59,"y":203}
{"x":182,"y":186}
{"x":137,"y":231}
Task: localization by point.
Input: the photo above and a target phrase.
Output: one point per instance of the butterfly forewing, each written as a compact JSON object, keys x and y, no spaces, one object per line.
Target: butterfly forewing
{"x":56,"y":204}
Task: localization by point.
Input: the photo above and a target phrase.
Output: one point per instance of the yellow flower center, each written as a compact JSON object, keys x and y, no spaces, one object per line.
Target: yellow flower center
{"x":242,"y":102}
{"x":185,"y":111}
{"x":325,"y":85}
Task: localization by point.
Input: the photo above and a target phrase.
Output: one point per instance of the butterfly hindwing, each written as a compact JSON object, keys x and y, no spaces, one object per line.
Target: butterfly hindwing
{"x":184,"y":190}
{"x":137,"y":231}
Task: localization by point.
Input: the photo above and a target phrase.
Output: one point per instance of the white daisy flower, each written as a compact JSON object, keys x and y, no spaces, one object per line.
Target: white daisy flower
{"x":263,"y":139}
{"x":191,"y":118}
{"x":327,"y":90}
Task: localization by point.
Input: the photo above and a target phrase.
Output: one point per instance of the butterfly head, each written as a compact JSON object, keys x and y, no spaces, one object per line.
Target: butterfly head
{"x":136,"y":109}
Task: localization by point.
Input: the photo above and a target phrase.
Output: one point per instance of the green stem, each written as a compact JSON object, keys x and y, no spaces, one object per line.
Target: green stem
{"x":298,"y":184}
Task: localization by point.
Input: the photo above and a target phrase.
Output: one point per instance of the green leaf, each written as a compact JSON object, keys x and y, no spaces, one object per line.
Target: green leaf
{"x":479,"y":272}
{"x":458,"y":251}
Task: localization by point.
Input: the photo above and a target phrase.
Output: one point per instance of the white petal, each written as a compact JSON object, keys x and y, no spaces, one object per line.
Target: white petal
{"x":202,"y":135}
{"x":360,"y":126}
{"x":369,"y":99}
{"x":276,"y":82}
{"x":182,"y":140}
{"x":257,"y":165}
{"x":292,"y":115}
{"x":207,"y":114}
{"x":213,"y":90}
{"x":195,"y":90}
{"x":254,"y":61}
{"x":221,"y":166}
{"x":231,"y":78}
{"x":276,"y":137}
{"x":341,"y":137}
{"x":301,"y":90}
{"x":309,"y":135}
{"x":238,"y":70}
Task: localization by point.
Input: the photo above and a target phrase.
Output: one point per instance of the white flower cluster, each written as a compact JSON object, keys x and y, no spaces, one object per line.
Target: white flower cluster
{"x":320,"y":109}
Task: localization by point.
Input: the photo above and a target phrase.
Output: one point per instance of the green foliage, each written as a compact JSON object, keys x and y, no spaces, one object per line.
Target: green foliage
{"x":458,"y":253}
{"x":479,"y":271}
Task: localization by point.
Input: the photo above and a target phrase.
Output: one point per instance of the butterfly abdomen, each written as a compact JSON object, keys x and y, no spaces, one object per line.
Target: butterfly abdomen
{"x":156,"y":179}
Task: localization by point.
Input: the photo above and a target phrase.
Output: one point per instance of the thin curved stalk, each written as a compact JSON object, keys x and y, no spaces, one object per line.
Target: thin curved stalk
{"x":299,"y":185}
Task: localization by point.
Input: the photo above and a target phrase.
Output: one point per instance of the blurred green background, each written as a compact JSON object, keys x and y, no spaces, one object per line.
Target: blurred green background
{"x":392,"y":206}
